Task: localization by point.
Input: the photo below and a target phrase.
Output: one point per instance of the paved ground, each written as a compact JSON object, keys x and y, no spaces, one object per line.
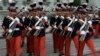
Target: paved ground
{"x":49,"y":48}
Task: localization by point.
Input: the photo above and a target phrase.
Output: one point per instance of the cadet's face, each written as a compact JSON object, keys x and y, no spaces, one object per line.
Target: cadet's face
{"x":66,"y":13}
{"x":30,"y":13}
{"x":59,"y":13}
{"x":82,"y":16}
{"x":14,"y":14}
{"x":34,"y":13}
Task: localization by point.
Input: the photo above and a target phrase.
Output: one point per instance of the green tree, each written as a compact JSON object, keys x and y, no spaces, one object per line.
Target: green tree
{"x":77,"y":2}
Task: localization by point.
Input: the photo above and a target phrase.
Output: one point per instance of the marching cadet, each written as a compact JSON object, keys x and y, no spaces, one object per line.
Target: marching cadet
{"x":64,"y":21}
{"x":28,"y":26}
{"x":52,"y":23}
{"x":86,"y":33}
{"x":4,"y":24}
{"x":12,"y":25}
{"x":63,"y":32}
{"x":22,"y":19}
{"x":39,"y":35}
{"x":55,"y":21}
{"x":72,"y":28}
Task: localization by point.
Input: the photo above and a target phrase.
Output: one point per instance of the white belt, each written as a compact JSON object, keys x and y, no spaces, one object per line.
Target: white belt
{"x":10,"y":30}
{"x":16,"y":29}
{"x":38,"y":27}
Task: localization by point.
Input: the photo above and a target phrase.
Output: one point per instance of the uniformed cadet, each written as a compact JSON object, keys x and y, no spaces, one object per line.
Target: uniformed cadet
{"x":86,"y":33}
{"x":54,"y":22}
{"x":72,"y":29}
{"x":39,"y":35}
{"x":62,"y":33}
{"x":28,"y":23}
{"x":22,"y":19}
{"x":12,"y":25}
{"x":5,"y":30}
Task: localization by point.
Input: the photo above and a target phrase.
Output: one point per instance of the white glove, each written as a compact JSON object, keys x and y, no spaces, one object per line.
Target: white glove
{"x":62,"y":17}
{"x":96,"y":16}
{"x":10,"y":30}
{"x":55,"y":26}
{"x":46,"y":18}
{"x":91,"y":15}
{"x":90,"y":22}
{"x":76,"y":19}
{"x":56,"y":16}
{"x":29,"y":28}
{"x":87,"y":31}
{"x":83,"y":32}
{"x":70,"y":29}
{"x":37,"y":17}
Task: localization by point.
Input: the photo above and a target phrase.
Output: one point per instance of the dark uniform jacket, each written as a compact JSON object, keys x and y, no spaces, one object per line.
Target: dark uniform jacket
{"x":22,"y":20}
{"x":6,"y":23}
{"x":95,"y":21}
{"x":65,"y":23}
{"x":89,"y":33}
{"x":31,"y":22}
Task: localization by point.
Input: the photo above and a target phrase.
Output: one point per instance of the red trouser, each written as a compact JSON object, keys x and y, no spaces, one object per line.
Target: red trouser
{"x":15,"y":46}
{"x":30,"y":45}
{"x":56,"y":41}
{"x":68,"y":42}
{"x":90,"y":44}
{"x":22,"y":36}
{"x":61,"y":44}
{"x":97,"y":30}
{"x":8,"y":46}
{"x":39,"y":46}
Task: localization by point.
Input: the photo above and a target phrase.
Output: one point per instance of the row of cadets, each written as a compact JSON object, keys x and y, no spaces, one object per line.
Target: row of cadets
{"x":13,"y":42}
{"x":85,"y":33}
{"x":39,"y":34}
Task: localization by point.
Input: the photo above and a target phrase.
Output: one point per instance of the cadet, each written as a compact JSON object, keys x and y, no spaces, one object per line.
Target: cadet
{"x":28,"y":25}
{"x":12,"y":25}
{"x":39,"y":34}
{"x":72,"y":28}
{"x":22,"y":19}
{"x":86,"y":33}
